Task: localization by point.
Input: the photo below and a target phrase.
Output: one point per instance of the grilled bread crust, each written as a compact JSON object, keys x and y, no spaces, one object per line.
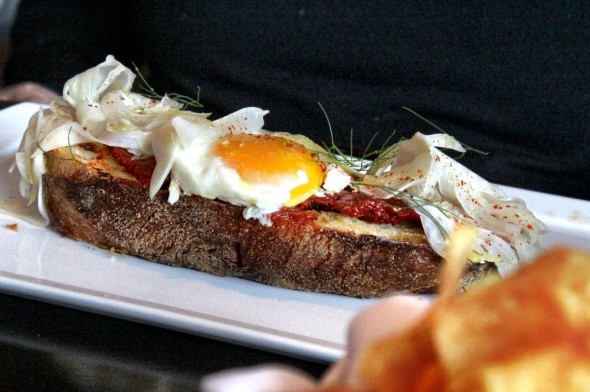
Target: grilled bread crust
{"x":92,"y":198}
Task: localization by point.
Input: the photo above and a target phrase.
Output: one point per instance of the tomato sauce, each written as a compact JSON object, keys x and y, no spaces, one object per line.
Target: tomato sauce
{"x":141,"y":168}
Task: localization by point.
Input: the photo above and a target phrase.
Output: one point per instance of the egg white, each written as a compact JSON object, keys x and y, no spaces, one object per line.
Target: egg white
{"x":186,"y":153}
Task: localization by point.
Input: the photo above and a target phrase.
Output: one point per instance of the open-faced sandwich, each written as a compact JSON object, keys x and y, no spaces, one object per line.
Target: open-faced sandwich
{"x":146,"y":177}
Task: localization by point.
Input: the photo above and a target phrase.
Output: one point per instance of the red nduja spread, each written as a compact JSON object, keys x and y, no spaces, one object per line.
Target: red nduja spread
{"x":366,"y":208}
{"x":141,"y":168}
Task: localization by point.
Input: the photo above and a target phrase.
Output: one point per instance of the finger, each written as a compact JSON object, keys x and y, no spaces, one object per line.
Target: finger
{"x":266,"y":378}
{"x":387,"y":317}
{"x":27,"y":92}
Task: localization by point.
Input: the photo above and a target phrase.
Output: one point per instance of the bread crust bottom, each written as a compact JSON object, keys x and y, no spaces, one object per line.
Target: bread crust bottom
{"x":302,"y":250}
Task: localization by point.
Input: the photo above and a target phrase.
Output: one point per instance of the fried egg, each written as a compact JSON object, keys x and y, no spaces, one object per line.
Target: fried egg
{"x":234,"y":160}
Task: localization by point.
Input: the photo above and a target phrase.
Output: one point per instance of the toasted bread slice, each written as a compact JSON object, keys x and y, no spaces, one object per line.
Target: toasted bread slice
{"x":91,"y":197}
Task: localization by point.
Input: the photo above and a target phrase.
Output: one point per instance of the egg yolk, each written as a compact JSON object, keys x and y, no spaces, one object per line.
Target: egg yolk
{"x":269,"y":160}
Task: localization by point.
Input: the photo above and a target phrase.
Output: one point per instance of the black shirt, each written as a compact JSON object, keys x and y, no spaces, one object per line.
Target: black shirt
{"x":512,"y":79}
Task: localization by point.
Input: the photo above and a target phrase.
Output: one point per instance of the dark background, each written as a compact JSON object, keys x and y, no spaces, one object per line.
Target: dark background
{"x":45,"y":347}
{"x":509,"y":78}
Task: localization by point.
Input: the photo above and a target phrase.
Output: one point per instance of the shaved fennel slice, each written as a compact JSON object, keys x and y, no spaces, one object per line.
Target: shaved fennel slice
{"x":85,"y":91}
{"x":246,"y":120}
{"x":188,"y":132}
{"x":165,"y":153}
{"x":102,"y":100}
{"x":91,"y":85}
{"x":49,"y":130}
{"x":130,"y":119}
{"x":421,"y":170}
{"x":39,"y":128}
{"x":130,"y":111}
{"x":43,"y":134}
{"x":442,"y":218}
{"x":23,"y":161}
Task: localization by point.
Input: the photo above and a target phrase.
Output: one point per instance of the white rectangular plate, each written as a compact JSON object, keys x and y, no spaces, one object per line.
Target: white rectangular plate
{"x":36,"y":262}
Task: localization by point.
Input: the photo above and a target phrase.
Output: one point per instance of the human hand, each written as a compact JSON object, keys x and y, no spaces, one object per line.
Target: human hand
{"x":385,"y":318}
{"x":27,"y":92}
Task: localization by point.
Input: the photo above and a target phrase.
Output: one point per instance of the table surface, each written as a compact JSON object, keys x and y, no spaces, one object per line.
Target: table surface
{"x":49,"y":347}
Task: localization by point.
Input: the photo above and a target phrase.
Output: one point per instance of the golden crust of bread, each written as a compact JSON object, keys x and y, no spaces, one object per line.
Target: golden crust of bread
{"x":93,"y":199}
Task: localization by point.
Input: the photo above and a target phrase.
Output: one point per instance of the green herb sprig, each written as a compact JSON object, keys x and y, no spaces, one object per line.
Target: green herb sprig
{"x":185,"y":100}
{"x":70,"y":148}
{"x":366,"y":160}
{"x":370,"y":161}
{"x":467,"y":148}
